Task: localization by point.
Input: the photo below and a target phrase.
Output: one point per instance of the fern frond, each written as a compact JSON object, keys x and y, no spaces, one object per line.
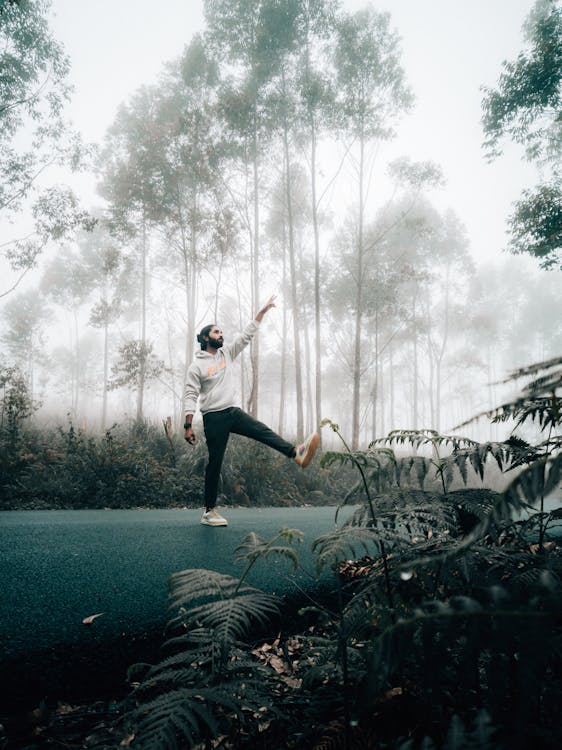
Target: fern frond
{"x":534,"y":369}
{"x":181,"y":714}
{"x":354,"y":458}
{"x":545,"y":411}
{"x":419,"y":438}
{"x":475,"y":500}
{"x":339,"y":545}
{"x":220,"y":602}
{"x":412,"y":467}
{"x":534,"y":482}
{"x":254,"y":547}
{"x":408,"y":514}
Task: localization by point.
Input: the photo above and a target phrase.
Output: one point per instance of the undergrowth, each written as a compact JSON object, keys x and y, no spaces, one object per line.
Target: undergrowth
{"x":443,"y":629}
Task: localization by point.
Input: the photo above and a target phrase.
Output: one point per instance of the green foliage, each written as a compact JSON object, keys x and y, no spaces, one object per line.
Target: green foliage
{"x":219,"y":603}
{"x":16,"y":406}
{"x":527,"y":100}
{"x":136,"y":365}
{"x":526,"y":106}
{"x":67,"y":468}
{"x":208,"y":684}
{"x":139,"y":465}
{"x":442,"y":629}
{"x":33,"y":93}
{"x":536,"y":225}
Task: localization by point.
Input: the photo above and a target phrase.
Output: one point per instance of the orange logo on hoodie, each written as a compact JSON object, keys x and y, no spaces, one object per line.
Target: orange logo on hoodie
{"x":213,"y":369}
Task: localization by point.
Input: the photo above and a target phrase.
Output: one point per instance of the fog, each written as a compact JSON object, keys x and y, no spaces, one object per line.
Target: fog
{"x":415,"y":310}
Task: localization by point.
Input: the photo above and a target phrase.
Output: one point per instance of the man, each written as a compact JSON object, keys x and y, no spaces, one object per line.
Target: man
{"x":212,"y":379}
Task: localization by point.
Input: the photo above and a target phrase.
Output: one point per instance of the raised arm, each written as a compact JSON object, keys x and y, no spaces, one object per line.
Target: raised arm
{"x":244,"y":338}
{"x":268,"y":305}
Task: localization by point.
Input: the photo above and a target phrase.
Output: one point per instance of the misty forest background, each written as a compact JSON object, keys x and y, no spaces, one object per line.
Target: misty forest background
{"x":256,"y":166}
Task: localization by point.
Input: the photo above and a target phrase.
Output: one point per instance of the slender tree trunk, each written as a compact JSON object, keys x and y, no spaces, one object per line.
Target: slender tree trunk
{"x":377,"y":368}
{"x":282,"y":385}
{"x":255,"y":344}
{"x":491,"y":392}
{"x":294,"y":295}
{"x":242,"y":357}
{"x":391,"y":416}
{"x":105,"y":371}
{"x":358,"y":306}
{"x":176,"y":399}
{"x":317,"y":330}
{"x":142,"y":369}
{"x":432,"y":367}
{"x":76,"y":364}
{"x":309,"y":415}
{"x":441,"y":355}
{"x":374,"y":397}
{"x":381,"y":397}
{"x":188,"y":250}
{"x":415,"y":414}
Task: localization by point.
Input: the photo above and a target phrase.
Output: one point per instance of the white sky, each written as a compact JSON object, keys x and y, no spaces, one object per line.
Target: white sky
{"x":450,"y":48}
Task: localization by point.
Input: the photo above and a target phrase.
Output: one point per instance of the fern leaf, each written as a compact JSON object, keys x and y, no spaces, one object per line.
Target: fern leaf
{"x":534,"y":482}
{"x":456,"y":735}
{"x":554,"y":474}
{"x":254,"y":547}
{"x":339,"y":545}
{"x":220,"y":602}
{"x":181,"y":714}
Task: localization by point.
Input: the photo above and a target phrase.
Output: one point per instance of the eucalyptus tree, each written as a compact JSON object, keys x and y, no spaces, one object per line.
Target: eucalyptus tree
{"x":372,"y":93}
{"x":243,"y":36}
{"x":67,"y":282}
{"x":283,"y":108}
{"x":526,"y":106}
{"x":24,"y":317}
{"x":303,"y":106}
{"x":130,"y":173}
{"x":287,"y":238}
{"x":190,"y":207}
{"x":105,"y":269}
{"x":316,"y":26}
{"x":34,"y":90}
{"x":387,"y":278}
{"x":445,"y":303}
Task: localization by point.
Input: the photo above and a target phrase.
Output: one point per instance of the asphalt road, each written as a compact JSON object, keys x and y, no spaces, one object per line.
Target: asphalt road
{"x":59,"y":567}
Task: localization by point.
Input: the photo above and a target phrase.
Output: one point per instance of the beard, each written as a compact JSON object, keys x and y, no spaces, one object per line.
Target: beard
{"x":216,"y":343}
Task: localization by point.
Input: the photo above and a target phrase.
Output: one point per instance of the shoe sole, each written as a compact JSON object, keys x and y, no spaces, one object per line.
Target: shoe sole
{"x":309,"y":455}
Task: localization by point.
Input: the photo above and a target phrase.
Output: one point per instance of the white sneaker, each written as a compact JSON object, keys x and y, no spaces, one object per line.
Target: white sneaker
{"x":306,"y":450}
{"x":213,"y":518}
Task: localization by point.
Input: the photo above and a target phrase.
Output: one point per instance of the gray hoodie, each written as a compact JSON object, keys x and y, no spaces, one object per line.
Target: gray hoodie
{"x":212,"y":379}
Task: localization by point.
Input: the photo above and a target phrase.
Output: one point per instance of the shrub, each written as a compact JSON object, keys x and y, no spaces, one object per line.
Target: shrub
{"x":437,"y":634}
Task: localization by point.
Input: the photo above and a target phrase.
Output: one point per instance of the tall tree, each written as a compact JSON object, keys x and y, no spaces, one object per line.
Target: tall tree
{"x":526,"y":106}
{"x":104,"y":265}
{"x":33,"y":135}
{"x":25,"y":316}
{"x":372,"y":93}
{"x":129,"y":179}
{"x":450,"y":269}
{"x":243,"y":37}
{"x":189,"y":202}
{"x":316,"y":25}
{"x":67,"y":282}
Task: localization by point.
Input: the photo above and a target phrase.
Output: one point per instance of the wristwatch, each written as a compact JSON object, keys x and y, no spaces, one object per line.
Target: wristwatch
{"x":186,"y":425}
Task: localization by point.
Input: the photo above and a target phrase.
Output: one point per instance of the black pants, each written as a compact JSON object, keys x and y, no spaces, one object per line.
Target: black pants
{"x":218,"y":425}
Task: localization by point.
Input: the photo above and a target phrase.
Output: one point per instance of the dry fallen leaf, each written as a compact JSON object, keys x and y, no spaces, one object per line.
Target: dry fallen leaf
{"x":89,"y":620}
{"x":277,"y":664}
{"x":392,"y":693}
{"x":126,"y":741}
